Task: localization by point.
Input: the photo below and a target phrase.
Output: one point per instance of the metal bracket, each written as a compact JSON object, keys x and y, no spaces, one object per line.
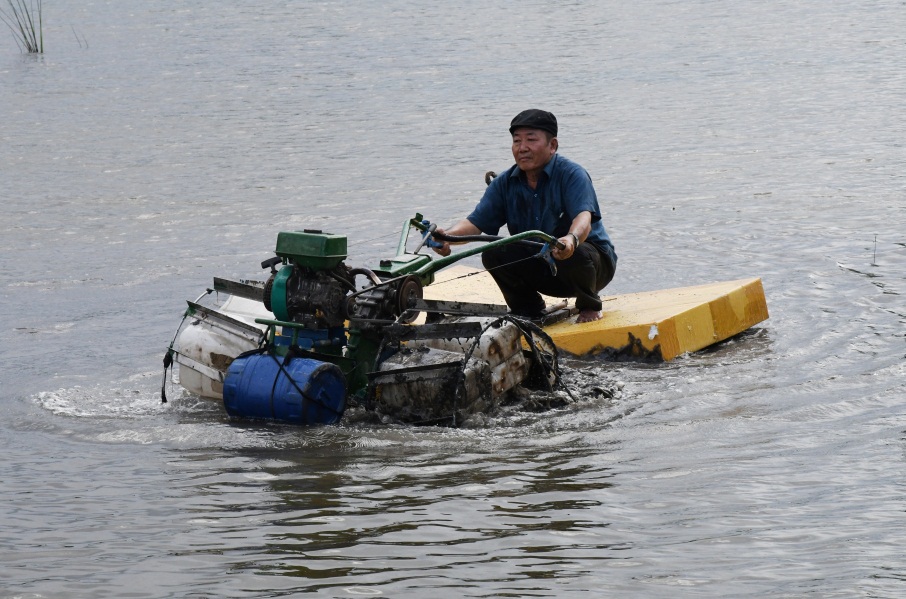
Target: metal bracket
{"x":252,"y":292}
{"x":215,"y":318}
{"x":410,"y":373}
{"x":545,"y":254}
{"x":462,"y":308}
{"x":441,"y":330}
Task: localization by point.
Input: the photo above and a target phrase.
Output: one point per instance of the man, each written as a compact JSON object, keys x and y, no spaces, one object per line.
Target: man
{"x":547,"y":192}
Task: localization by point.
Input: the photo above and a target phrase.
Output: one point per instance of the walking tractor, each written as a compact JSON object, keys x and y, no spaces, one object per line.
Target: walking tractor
{"x":319,"y":335}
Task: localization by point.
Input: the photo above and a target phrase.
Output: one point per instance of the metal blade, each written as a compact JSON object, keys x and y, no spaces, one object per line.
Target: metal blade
{"x":203,"y":312}
{"x":246,"y":290}
{"x":441,"y":330}
{"x":410,"y":373}
{"x":465,"y":308}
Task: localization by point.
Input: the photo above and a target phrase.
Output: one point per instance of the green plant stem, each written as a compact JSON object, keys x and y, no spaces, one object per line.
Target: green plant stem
{"x":21,"y":17}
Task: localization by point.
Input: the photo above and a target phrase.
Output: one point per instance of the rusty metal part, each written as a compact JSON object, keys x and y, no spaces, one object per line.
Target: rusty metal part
{"x":463,"y":308}
{"x":251,"y":332}
{"x":442,"y":330}
{"x":410,"y":290}
{"x":410,"y":373}
{"x":423,"y":385}
{"x":252,"y":290}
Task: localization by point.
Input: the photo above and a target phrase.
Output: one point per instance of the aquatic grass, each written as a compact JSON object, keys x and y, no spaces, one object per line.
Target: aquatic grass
{"x":25,"y":20}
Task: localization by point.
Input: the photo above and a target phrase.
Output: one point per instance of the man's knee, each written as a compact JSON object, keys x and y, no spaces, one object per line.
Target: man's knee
{"x":491,"y":258}
{"x":592,"y":266}
{"x":607,"y":270}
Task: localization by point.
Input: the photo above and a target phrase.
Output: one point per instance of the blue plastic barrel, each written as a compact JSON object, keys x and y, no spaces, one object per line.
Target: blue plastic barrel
{"x":300,"y":391}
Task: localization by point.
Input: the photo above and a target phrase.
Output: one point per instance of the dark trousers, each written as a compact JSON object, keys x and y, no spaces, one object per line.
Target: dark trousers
{"x":521,"y":277}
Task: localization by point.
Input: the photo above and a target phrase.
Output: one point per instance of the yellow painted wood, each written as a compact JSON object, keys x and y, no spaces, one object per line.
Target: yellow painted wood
{"x":669,"y":322}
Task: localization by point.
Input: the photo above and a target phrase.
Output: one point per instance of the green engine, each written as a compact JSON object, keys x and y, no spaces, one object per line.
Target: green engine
{"x":311,"y":249}
{"x":313,"y":295}
{"x":311,"y":287}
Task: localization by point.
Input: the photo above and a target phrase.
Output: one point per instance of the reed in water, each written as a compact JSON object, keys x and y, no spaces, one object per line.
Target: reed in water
{"x":25,"y":20}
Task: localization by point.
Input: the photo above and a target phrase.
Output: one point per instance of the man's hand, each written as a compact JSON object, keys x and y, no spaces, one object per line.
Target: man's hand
{"x":578,"y":230}
{"x":463,"y":227}
{"x":444,"y":249}
{"x":569,"y":248}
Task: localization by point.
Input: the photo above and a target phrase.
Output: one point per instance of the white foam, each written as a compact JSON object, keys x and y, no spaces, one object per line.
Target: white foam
{"x":98,"y":402}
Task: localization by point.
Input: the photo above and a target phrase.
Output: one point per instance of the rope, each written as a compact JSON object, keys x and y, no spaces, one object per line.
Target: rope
{"x":282,"y":369}
{"x":168,"y":357}
{"x":289,"y":356}
{"x":393,"y":234}
{"x":554,"y":366}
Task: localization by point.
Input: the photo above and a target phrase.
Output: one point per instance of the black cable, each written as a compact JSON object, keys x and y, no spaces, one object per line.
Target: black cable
{"x":546,"y":368}
{"x":289,"y":356}
{"x":282,"y":368}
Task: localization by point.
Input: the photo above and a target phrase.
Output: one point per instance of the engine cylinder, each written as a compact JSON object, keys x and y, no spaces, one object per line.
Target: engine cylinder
{"x":298,"y":390}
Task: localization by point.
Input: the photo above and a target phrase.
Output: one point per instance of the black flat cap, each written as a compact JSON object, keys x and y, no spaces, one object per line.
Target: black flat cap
{"x":535,"y":119}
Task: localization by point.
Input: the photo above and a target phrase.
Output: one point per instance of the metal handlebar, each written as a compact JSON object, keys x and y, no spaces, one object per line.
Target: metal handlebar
{"x":493,"y":241}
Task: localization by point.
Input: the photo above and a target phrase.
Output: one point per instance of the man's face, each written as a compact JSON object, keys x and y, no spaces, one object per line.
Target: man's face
{"x":531,"y":149}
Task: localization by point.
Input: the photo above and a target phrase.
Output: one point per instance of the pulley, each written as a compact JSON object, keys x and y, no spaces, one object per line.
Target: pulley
{"x":409,"y":290}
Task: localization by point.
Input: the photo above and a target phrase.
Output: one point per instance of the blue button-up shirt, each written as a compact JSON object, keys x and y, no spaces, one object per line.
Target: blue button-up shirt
{"x":564,"y":190}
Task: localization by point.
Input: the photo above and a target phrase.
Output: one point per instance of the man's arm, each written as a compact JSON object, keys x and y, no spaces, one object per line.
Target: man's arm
{"x":463,"y":227}
{"x":580,"y":227}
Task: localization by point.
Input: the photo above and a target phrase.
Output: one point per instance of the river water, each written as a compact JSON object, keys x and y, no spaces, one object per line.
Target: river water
{"x":158,"y":144}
